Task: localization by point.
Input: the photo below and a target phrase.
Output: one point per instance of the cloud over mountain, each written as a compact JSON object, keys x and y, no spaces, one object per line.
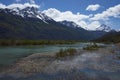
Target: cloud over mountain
{"x":87,"y":21}
{"x":78,"y":18}
{"x":91,"y":21}
{"x":67,"y":15}
{"x":20,"y":6}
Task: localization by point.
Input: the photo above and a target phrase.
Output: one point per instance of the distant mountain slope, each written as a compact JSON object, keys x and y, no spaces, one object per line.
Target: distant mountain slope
{"x":103,"y":27}
{"x":29,"y":23}
{"x":70,"y":24}
{"x":85,"y":33}
{"x":112,"y":36}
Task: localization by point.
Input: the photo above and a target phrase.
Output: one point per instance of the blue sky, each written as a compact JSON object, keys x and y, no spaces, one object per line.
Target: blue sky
{"x":77,"y":6}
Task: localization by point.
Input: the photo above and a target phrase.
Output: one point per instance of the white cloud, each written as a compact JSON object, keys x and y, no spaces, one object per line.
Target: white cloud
{"x":2,"y":6}
{"x":78,"y":18}
{"x":93,"y":25}
{"x":93,"y":7}
{"x":110,"y":12}
{"x":21,"y":6}
{"x":67,"y":15}
{"x":89,"y":25}
{"x":82,"y":23}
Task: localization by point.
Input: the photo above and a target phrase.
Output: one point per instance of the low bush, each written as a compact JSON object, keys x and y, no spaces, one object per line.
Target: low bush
{"x":66,"y":52}
{"x":94,"y":46}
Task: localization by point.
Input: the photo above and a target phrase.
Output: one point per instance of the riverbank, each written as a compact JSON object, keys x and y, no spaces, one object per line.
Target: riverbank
{"x":10,"y":42}
{"x":11,"y":54}
{"x":85,"y":65}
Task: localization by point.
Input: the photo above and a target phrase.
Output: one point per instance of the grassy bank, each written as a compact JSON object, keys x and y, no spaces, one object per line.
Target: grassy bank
{"x":6,"y":42}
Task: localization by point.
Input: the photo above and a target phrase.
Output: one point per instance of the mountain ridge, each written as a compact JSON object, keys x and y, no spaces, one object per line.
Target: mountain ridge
{"x":110,"y":37}
{"x":32,"y":27}
{"x":104,"y":27}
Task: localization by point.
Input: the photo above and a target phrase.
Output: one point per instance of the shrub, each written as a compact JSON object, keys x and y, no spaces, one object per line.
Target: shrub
{"x":94,"y":46}
{"x":66,"y":52}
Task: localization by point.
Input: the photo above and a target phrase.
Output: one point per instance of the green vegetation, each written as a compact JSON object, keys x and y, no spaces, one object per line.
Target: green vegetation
{"x":34,"y":42}
{"x":111,"y":37}
{"x":119,"y":57}
{"x":93,"y":46}
{"x":66,"y":52}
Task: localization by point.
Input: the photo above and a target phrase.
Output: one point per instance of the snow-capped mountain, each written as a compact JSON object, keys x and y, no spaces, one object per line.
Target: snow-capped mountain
{"x":29,"y":23}
{"x":104,"y":27}
{"x":118,"y":30}
{"x":70,"y":24}
{"x":31,"y":12}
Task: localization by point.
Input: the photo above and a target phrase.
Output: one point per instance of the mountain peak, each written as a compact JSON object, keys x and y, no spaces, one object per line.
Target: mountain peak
{"x":104,"y":27}
{"x":27,"y":12}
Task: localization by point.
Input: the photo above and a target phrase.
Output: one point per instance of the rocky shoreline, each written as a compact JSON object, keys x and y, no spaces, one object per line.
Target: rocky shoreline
{"x":45,"y":66}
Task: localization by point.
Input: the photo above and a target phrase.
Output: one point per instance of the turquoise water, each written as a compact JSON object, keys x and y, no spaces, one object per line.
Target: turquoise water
{"x":10,"y":54}
{"x":86,"y":66}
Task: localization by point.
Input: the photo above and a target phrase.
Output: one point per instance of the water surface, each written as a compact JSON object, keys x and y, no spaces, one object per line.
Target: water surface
{"x":9,"y":54}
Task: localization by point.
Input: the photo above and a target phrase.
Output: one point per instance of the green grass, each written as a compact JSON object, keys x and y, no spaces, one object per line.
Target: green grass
{"x":66,"y":52}
{"x":34,"y":42}
{"x":93,"y":46}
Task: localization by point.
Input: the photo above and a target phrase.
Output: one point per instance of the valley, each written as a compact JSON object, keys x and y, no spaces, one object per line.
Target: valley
{"x":50,"y":44}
